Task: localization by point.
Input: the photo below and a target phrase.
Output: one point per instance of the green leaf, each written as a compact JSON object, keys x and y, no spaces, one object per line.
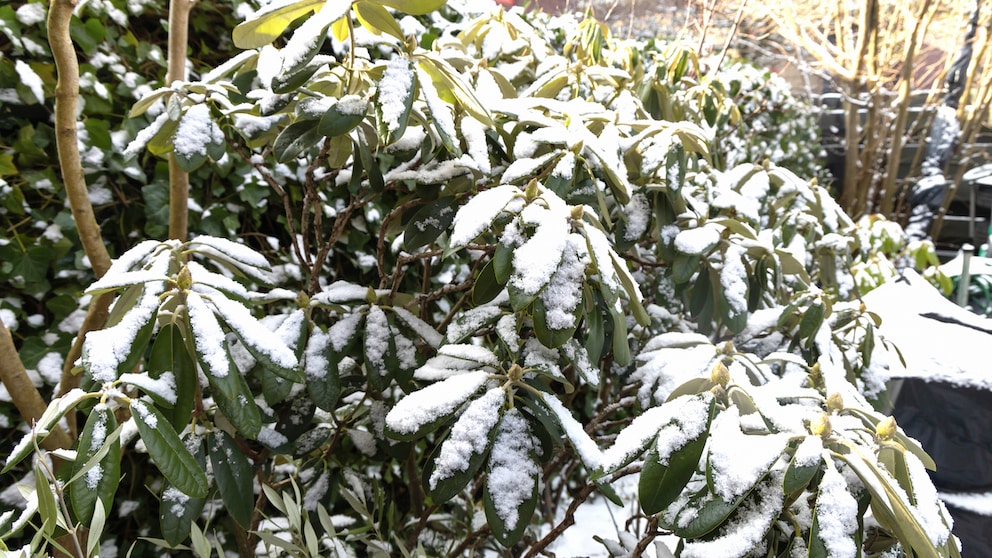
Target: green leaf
{"x":169,"y":354}
{"x":429,"y":222}
{"x":295,"y":139}
{"x":97,"y":481}
{"x":450,"y":84}
{"x":168,"y":451}
{"x":48,"y":420}
{"x":486,"y":286}
{"x":661,"y":483}
{"x":324,"y":388}
{"x":413,"y":7}
{"x":552,"y":338}
{"x":240,"y":408}
{"x":336,"y":122}
{"x":621,"y":348}
{"x":709,"y":512}
{"x":177,"y":510}
{"x":233,"y":474}
{"x":267,"y":25}
{"x":47,"y":508}
{"x":503,"y":263}
{"x":797,"y":477}
{"x":392,"y":127}
{"x":376,"y":19}
{"x":816,"y":547}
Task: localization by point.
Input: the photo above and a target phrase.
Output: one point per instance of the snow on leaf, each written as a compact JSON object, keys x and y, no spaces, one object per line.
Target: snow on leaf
{"x":308,"y":37}
{"x":536,"y":260}
{"x":734,"y":279}
{"x":563,"y":293}
{"x":377,"y":337}
{"x":433,"y":402}
{"x":748,"y":526}
{"x":602,"y":253}
{"x":476,"y":215}
{"x":837,"y":514}
{"x":521,"y":169}
{"x":106,"y":349}
{"x":673,"y":424}
{"x":420,"y":327}
{"x":125,"y":279}
{"x":196,"y":131}
{"x":164,"y":386}
{"x":471,"y":321}
{"x":469,"y":435}
{"x":734,"y":471}
{"x":208,"y":336}
{"x":512,"y":469}
{"x":929,"y":509}
{"x":394,"y":89}
{"x":665,"y":368}
{"x":216,"y":281}
{"x":339,"y":292}
{"x":452,"y":360}
{"x":315,"y":359}
{"x":579,"y":357}
{"x":344,"y":330}
{"x":584,"y":445}
{"x":134,"y":257}
{"x":232,"y":251}
{"x":252,"y":333}
{"x":697,"y":241}
{"x":440,"y":111}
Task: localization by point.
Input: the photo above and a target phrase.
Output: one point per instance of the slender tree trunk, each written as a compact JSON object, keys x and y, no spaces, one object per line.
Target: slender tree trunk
{"x":178,"y":178}
{"x":26,"y":398}
{"x":66,"y":101}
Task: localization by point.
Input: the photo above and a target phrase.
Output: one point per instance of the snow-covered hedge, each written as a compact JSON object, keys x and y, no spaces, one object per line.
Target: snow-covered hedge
{"x":522,"y":262}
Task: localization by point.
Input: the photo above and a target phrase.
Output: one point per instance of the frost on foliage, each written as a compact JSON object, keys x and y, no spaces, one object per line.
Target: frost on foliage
{"x":836,"y":514}
{"x":512,"y":470}
{"x":538,"y":257}
{"x":479,"y":212}
{"x":584,"y":445}
{"x":469,"y":436}
{"x":744,"y":532}
{"x":253,"y":333}
{"x":668,"y":360}
{"x":563,"y":294}
{"x":104,"y":350}
{"x":673,"y":424}
{"x":734,"y":472}
{"x":452,"y":360}
{"x":208,"y":336}
{"x":433,"y":402}
{"x":394,"y":88}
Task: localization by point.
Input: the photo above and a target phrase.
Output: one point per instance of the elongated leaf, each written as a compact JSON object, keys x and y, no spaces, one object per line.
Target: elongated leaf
{"x":552,"y":338}
{"x":295,"y":139}
{"x":240,"y":409}
{"x":323,"y":376}
{"x":267,"y":24}
{"x":661,"y":483}
{"x":177,"y":511}
{"x":797,"y":477}
{"x":811,"y":320}
{"x":233,"y":474}
{"x":463,"y":452}
{"x":168,"y":451}
{"x":97,"y":481}
{"x":429,"y":222}
{"x":510,"y":495}
{"x":426,"y":410}
{"x":486,"y":286}
{"x":394,"y":99}
{"x":47,"y":507}
{"x":377,"y":19}
{"x":48,"y":420}
{"x":413,"y":7}
{"x":342,"y":116}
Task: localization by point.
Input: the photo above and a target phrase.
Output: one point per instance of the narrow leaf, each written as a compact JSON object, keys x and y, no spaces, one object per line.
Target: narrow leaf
{"x":168,"y":451}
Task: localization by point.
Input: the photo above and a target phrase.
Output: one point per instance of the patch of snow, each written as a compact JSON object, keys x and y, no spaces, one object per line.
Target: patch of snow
{"x":512,"y":469}
{"x":469,"y":436}
{"x":433,"y":402}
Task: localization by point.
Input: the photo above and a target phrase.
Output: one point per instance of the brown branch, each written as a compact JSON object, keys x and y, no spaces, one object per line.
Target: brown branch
{"x":96,"y":317}
{"x":26,"y":398}
{"x":178,"y":178}
{"x":70,"y":163}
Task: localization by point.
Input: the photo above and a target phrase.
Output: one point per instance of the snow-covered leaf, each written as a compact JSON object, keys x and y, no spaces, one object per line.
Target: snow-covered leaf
{"x":97,"y":477}
{"x":233,"y":475}
{"x":479,"y":212}
{"x":424,"y":410}
{"x":168,"y":451}
{"x":510,"y":495}
{"x":462,"y":452}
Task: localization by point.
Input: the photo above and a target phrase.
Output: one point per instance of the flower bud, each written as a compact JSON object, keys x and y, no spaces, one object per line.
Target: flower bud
{"x":515,"y":373}
{"x":820,"y":425}
{"x":886,"y":428}
{"x":303,"y":299}
{"x":720,"y":374}
{"x":577,"y":211}
{"x":835,"y":402}
{"x":184,"y":279}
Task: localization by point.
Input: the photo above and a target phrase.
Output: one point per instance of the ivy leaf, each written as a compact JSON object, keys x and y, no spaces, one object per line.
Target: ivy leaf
{"x":168,"y":451}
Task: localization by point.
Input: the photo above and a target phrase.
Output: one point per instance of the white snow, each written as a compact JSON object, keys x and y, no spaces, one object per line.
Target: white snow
{"x":512,"y":470}
{"x":315,"y":360}
{"x":699,"y":240}
{"x":252,"y":332}
{"x":837,"y":514}
{"x":737,"y":459}
{"x":377,"y":337}
{"x":340,"y":291}
{"x":196,"y":130}
{"x":311,"y":34}
{"x":420,"y":327}
{"x":207,"y":336}
{"x":164,"y":386}
{"x":478,"y":213}
{"x":106,"y":349}
{"x":452,"y":360}
{"x":681,"y":420}
{"x":563,"y":293}
{"x":538,"y":257}
{"x":343,"y":330}
{"x":469,"y":436}
{"x":395,"y":88}
{"x":30,"y":79}
{"x":433,"y":402}
{"x":585,"y":447}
